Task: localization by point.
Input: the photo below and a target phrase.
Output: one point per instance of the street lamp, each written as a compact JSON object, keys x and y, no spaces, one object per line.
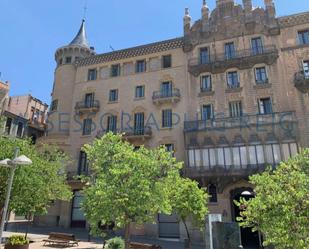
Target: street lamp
{"x":12,"y":164}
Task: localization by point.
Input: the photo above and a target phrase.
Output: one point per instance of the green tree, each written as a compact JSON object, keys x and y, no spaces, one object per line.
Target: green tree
{"x":280,"y":209}
{"x":189,"y":201}
{"x":34,"y":186}
{"x":128,"y":186}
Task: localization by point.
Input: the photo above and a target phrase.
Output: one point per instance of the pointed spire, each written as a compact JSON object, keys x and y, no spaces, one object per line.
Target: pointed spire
{"x":81,"y":37}
{"x":205,"y":10}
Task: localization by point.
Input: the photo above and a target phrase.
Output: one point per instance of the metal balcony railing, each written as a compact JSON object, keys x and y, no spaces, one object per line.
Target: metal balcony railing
{"x":239,"y":54}
{"x":175,"y":92}
{"x":85,"y":106}
{"x":137,"y":131}
{"x":236,"y":122}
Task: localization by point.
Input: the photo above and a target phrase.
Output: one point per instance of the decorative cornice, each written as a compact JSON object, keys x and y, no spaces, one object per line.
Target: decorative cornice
{"x":293,"y":20}
{"x":133,"y":52}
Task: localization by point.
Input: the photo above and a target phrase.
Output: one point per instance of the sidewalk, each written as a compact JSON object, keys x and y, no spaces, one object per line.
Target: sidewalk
{"x":37,"y":234}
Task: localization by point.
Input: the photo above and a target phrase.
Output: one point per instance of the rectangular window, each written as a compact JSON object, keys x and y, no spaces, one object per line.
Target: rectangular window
{"x":204,"y":56}
{"x":232,"y":80}
{"x":89,"y":100}
{"x":256,"y":46}
{"x":303,"y":37}
{"x":112,"y":124}
{"x":54,"y":105}
{"x":207,"y":112}
{"x":140,"y":92}
{"x":166,"y":61}
{"x":87,"y":126}
{"x":206,"y":84}
{"x":83,"y":163}
{"x":115,"y":70}
{"x":20,"y":128}
{"x":212,"y":191}
{"x":170,"y":148}
{"x":68,"y":60}
{"x":167,"y":118}
{"x":113,"y":95}
{"x":92,"y":74}
{"x":261,"y":75}
{"x":230,"y":52}
{"x":306,"y":68}
{"x":265,"y":106}
{"x":166,"y":89}
{"x":8,"y":126}
{"x":235,"y":109}
{"x":139,"y":120}
{"x":141,"y":66}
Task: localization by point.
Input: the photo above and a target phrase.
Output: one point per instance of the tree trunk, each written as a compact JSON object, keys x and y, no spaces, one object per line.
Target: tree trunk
{"x":28,"y":224}
{"x":127,"y":236}
{"x":188,"y":234}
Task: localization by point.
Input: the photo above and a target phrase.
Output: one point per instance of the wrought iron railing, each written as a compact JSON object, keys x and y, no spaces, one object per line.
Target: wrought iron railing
{"x":87,"y":105}
{"x":175,"y":92}
{"x":243,"y":121}
{"x":239,"y":54}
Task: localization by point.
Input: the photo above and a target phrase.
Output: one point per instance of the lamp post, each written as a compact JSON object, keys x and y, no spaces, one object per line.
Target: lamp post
{"x":12,"y":164}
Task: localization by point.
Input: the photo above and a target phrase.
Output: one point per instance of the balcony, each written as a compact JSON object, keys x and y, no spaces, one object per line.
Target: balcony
{"x":242,"y":59}
{"x":301,"y":82}
{"x":242,"y":122}
{"x":83,"y":107}
{"x":160,"y":97}
{"x":137,"y":133}
{"x":130,"y":133}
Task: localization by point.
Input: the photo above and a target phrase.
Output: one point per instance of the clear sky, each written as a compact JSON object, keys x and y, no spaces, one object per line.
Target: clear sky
{"x":32,"y":30}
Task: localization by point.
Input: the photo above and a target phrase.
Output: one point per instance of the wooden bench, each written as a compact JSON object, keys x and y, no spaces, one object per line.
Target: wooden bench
{"x":61,"y":239}
{"x":135,"y":245}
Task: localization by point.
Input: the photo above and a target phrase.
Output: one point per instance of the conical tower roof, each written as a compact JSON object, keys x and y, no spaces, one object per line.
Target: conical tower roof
{"x":81,"y":37}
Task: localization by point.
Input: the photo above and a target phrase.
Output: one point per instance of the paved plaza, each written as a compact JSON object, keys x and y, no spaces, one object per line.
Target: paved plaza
{"x":37,"y":234}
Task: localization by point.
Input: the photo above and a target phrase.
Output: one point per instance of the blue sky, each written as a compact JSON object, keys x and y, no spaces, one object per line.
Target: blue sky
{"x":32,"y":30}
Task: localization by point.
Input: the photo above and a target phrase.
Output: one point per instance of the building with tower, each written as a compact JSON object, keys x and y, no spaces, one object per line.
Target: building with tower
{"x":229,"y":97}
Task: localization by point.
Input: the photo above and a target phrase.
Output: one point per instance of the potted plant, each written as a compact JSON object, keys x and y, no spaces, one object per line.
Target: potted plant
{"x":17,"y":242}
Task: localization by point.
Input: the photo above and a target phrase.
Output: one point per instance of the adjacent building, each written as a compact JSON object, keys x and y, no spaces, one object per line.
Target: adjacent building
{"x":4,"y":90}
{"x":229,"y":97}
{"x":25,"y":117}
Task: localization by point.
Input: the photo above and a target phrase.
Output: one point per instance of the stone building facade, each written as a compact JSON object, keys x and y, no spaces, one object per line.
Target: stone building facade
{"x":25,"y":116}
{"x":228,"y":97}
{"x":4,"y":91}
